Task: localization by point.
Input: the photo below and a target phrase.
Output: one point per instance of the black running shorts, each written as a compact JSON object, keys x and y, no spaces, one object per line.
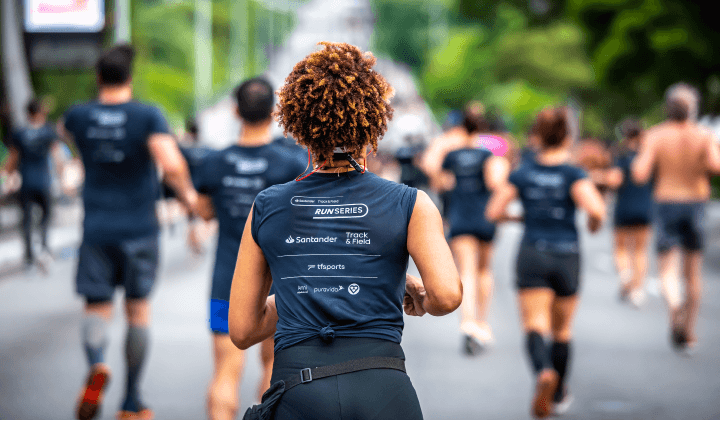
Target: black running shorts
{"x":370,"y":394}
{"x":680,"y":224}
{"x":559,"y":271}
{"x":131,"y":264}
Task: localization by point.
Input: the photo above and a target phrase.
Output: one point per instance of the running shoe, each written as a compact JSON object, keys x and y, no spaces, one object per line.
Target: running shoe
{"x":92,"y":393}
{"x":143,"y":414}
{"x":547,"y":382}
{"x":471,"y":346}
{"x":637,"y":298}
{"x":44,"y":261}
{"x":476,"y":338}
{"x":678,"y":338}
{"x":562,"y":402}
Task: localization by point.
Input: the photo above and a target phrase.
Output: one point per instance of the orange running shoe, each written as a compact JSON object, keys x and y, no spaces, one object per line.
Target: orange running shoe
{"x":547,"y":382}
{"x":143,"y":414}
{"x":92,"y":393}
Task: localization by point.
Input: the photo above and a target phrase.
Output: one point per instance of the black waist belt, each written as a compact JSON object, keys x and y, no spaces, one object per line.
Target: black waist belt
{"x":307,"y":375}
{"x":270,"y":398}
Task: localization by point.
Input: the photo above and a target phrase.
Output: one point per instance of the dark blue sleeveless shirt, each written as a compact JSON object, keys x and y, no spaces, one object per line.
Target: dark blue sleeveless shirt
{"x":633,"y":200}
{"x":548,"y":204}
{"x":470,"y":195}
{"x":121,"y":183}
{"x":337,"y":249}
{"x":33,"y":144}
{"x":233,"y":177}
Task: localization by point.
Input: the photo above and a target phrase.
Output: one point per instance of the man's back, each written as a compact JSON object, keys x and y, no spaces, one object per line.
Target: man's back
{"x":681,"y":161}
{"x":34,"y":145}
{"x":120,"y":177}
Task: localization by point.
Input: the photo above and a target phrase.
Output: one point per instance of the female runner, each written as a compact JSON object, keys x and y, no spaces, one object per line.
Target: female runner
{"x":474,"y":173}
{"x":335,"y":246}
{"x":548,"y":262}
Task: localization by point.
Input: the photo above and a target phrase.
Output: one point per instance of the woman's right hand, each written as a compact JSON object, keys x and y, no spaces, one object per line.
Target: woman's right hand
{"x":414,"y":296}
{"x":594,"y":224}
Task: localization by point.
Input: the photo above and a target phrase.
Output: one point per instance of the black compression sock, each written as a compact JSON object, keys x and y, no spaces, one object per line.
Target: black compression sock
{"x":537,"y":351}
{"x":560,"y":354}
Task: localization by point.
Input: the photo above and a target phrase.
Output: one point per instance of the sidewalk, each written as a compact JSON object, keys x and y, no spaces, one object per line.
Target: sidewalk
{"x":64,"y":234}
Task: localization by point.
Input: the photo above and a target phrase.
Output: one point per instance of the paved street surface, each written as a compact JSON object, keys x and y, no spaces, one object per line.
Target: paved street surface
{"x":623,"y":366}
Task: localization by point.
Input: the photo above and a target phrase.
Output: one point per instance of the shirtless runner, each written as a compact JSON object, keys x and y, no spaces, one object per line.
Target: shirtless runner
{"x":680,"y":155}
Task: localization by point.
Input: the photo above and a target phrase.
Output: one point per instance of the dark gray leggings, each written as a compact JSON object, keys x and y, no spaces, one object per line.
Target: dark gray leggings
{"x":369,"y":394}
{"x":42,"y":199}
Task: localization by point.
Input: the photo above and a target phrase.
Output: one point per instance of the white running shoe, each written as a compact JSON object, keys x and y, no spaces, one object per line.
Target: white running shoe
{"x":637,"y":298}
{"x":563,"y":406}
{"x":476,"y":338}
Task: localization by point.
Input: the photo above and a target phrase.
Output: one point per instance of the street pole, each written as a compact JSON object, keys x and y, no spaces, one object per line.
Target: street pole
{"x":238,"y":41}
{"x":203,"y":53}
{"x":122,"y":21}
{"x":15,"y":69}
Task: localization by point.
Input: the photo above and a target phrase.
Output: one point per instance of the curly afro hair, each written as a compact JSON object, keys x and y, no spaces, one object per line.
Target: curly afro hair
{"x":333,"y":98}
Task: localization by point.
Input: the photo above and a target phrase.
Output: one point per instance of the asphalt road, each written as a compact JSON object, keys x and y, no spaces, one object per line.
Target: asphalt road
{"x":622,"y":367}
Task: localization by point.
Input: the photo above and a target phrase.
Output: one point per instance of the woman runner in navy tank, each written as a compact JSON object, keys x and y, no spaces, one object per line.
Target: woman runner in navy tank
{"x":548,"y":262}
{"x":632,"y":218}
{"x":335,"y":246}
{"x":474,"y":172}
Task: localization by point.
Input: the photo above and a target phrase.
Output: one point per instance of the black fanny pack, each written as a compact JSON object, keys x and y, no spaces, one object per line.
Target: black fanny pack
{"x":270,"y":399}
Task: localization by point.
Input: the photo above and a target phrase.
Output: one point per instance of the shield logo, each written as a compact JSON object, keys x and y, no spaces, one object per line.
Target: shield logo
{"x":353,"y":289}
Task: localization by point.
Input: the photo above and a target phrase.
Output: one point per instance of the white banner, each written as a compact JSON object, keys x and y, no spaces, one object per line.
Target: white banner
{"x":64,"y":15}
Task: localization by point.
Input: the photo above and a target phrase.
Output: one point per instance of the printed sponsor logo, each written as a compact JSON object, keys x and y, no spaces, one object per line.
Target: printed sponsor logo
{"x":302,"y":289}
{"x":357,"y":238}
{"x":110,"y":118}
{"x":358,"y":210}
{"x":328,"y":289}
{"x":353,"y":289}
{"x":105,"y":133}
{"x":323,"y":266}
{"x":312,"y":201}
{"x":244,"y":182}
{"x":291,"y":240}
{"x":245,"y":165}
{"x":547,"y":180}
{"x":331,"y":207}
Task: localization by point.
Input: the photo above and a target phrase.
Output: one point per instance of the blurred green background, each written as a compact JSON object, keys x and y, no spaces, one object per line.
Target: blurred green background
{"x":163,"y":34}
{"x":612,"y":57}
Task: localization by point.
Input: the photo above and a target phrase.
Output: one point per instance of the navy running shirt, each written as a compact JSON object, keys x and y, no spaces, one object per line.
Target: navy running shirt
{"x":121,"y":182}
{"x":233,"y":177}
{"x":336,"y":245}
{"x":633,"y":200}
{"x":548,"y":204}
{"x":33,"y":144}
{"x":470,"y":195}
{"x":409,"y":173}
{"x":194,"y":156}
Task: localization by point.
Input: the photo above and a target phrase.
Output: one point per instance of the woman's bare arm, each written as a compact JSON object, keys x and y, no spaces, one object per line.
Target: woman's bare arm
{"x":496,"y":209}
{"x":252,"y":315}
{"x":496,"y":172}
{"x":430,"y":251}
{"x":587,"y":197}
{"x":611,"y":178}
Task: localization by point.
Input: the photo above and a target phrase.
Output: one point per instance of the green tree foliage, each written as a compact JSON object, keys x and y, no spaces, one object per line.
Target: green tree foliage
{"x":616,"y":57}
{"x":501,"y":58}
{"x":640,"y":47}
